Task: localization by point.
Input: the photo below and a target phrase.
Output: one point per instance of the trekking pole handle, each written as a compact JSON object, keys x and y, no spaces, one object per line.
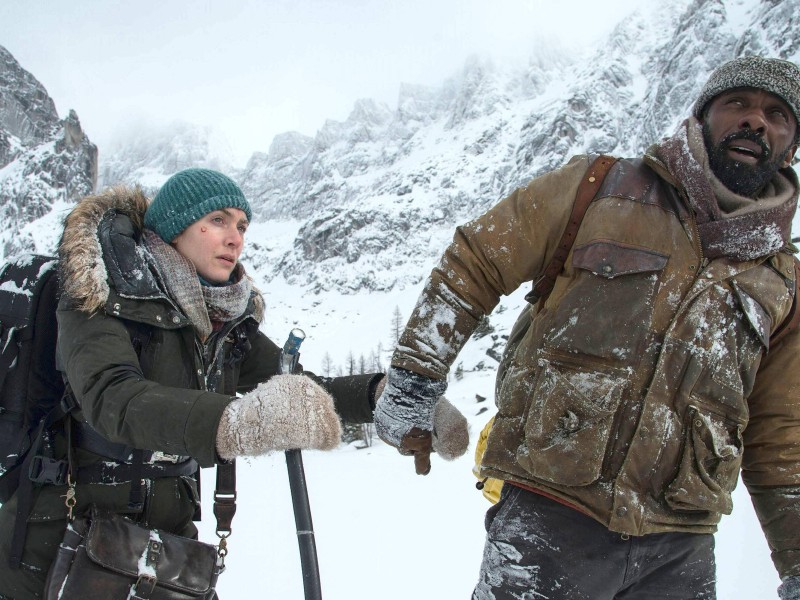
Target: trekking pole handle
{"x":290,"y":354}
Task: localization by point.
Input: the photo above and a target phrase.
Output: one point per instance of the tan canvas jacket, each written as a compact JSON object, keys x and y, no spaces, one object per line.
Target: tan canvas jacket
{"x":645,"y":382}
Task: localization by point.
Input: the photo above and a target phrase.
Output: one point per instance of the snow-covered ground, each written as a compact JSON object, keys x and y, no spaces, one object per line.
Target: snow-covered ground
{"x":382,"y":532}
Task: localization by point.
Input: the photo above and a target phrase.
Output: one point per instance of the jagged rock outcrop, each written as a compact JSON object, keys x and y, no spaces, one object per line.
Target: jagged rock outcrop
{"x":370,"y":202}
{"x":373,"y":193}
{"x":46,"y":163}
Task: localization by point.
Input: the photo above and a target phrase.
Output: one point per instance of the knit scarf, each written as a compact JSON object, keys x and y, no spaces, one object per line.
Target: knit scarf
{"x":202,"y":304}
{"x":730,"y":225}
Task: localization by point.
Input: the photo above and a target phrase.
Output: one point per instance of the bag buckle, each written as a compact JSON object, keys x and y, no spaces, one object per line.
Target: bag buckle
{"x":143,"y":588}
{"x":47,"y":470}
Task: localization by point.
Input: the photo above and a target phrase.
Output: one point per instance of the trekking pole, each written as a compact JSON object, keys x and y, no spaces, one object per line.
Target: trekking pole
{"x":290,"y":354}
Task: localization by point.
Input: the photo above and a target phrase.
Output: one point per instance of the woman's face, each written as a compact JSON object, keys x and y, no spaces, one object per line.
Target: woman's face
{"x":213,"y":243}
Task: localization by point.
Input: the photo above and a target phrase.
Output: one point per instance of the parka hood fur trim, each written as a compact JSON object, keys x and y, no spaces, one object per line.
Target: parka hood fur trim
{"x":84,"y":275}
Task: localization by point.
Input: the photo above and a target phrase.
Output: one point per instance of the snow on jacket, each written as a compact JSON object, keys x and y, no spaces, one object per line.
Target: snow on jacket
{"x":645,"y":381}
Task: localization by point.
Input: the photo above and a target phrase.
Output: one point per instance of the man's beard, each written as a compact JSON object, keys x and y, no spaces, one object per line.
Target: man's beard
{"x":739,"y":177}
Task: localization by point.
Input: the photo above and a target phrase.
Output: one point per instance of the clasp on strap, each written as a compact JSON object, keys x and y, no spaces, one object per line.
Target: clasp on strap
{"x":47,"y":470}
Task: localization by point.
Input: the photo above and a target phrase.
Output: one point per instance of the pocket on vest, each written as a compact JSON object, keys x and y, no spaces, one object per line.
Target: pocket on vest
{"x":569,"y":424}
{"x":607,"y":309}
{"x":709,"y":467}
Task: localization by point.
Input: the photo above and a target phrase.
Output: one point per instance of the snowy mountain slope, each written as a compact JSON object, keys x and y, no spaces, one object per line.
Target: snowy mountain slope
{"x":45,"y":162}
{"x":375,"y":192}
{"x":151,"y":153}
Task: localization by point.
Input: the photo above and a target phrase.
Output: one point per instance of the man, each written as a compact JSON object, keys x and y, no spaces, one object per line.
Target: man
{"x":646,"y":380}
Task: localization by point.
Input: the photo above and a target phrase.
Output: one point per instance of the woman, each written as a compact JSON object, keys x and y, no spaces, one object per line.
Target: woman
{"x":158,"y":331}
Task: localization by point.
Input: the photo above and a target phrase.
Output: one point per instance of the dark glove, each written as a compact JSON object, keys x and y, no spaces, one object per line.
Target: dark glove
{"x":412,"y":416}
{"x":790,"y":588}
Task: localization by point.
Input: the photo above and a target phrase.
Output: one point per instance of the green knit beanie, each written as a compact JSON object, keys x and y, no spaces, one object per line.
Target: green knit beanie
{"x":187,"y":196}
{"x":776,"y":76}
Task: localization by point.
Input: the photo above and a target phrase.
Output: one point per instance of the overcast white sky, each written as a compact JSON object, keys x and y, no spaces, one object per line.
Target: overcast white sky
{"x":255,"y":68}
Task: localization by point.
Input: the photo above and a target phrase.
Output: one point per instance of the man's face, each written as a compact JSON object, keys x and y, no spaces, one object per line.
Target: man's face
{"x":749,"y":134}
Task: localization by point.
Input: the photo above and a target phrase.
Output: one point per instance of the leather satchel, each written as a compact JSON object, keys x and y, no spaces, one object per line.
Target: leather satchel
{"x":105,"y":555}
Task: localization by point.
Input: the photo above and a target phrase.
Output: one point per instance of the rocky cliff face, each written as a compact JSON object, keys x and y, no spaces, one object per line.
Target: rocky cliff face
{"x":45,"y":162}
{"x":370,"y":203}
{"x":378,"y":195}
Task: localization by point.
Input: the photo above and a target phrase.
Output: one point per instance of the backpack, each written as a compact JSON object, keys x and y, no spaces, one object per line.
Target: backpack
{"x":34,"y":397}
{"x":31,"y":387}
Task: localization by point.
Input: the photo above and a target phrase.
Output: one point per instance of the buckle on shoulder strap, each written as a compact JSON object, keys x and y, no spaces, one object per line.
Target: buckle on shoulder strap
{"x":47,"y":470}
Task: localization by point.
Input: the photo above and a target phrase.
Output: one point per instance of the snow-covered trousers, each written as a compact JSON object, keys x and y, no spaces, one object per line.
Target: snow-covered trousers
{"x":539,"y":549}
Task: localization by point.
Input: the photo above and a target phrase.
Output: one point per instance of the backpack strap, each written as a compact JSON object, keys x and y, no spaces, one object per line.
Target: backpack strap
{"x":792,"y":320}
{"x":225,"y":490}
{"x":138,"y":492}
{"x":225,"y":502}
{"x":587,"y":190}
{"x":35,"y":468}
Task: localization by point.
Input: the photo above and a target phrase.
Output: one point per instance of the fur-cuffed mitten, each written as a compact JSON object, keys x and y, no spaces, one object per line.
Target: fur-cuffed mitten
{"x":790,"y":588}
{"x":450,"y":430}
{"x":285,"y":412}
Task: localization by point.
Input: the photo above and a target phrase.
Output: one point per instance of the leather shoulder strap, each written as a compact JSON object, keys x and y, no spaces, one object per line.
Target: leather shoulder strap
{"x":587,"y":190}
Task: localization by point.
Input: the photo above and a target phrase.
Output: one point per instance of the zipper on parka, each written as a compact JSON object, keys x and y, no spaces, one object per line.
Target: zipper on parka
{"x":703,"y":261}
{"x":209,"y":352}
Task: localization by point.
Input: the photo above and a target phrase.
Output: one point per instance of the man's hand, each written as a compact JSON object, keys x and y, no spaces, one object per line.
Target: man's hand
{"x":412,"y":416}
{"x":419,"y":444}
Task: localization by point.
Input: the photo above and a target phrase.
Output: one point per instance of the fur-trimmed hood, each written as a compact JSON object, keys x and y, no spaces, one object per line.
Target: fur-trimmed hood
{"x":84,"y":276}
{"x":101,"y":246}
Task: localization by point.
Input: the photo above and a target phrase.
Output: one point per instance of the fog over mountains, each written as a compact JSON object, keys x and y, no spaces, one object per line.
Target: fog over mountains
{"x":368,"y":204}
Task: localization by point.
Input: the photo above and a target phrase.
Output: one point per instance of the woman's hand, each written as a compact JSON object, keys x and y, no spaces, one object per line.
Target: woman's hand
{"x":285,"y":412}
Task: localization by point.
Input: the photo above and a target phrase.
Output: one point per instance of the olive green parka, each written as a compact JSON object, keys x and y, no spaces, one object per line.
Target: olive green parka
{"x":142,"y":376}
